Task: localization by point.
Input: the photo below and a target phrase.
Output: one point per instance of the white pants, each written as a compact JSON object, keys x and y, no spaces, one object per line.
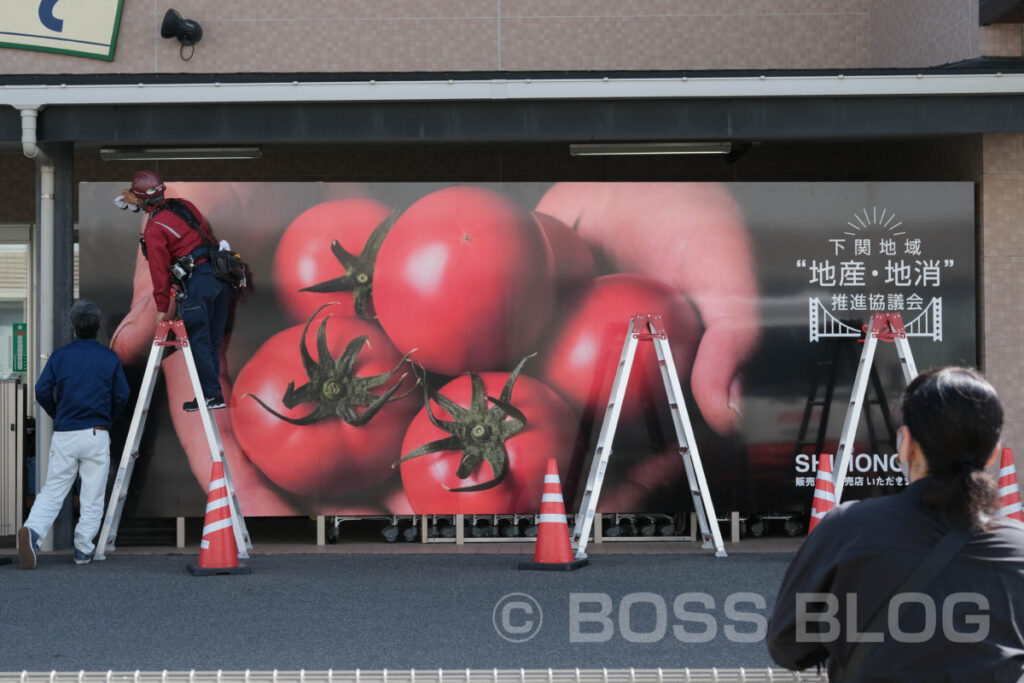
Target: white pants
{"x":84,"y":452}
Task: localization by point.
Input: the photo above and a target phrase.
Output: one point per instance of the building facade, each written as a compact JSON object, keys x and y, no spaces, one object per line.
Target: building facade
{"x":482,"y":91}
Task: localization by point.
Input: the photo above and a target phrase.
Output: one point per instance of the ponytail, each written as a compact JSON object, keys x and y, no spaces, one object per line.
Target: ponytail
{"x":956,"y":417}
{"x":968,"y":497}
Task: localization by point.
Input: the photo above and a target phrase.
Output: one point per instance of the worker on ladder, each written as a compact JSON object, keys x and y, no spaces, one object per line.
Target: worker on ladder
{"x":177,"y":241}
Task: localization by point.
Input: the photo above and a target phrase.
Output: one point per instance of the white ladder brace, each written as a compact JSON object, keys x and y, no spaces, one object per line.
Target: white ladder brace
{"x":888,"y":326}
{"x":112,"y":520}
{"x":648,"y":328}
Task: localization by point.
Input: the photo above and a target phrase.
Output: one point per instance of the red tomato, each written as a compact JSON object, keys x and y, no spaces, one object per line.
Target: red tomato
{"x":463,"y":279}
{"x":584,"y":355}
{"x":329,"y":457}
{"x":304,"y":256}
{"x":430,"y":480}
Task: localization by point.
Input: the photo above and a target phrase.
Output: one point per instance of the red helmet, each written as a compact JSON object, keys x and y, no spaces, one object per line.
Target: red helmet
{"x":147,"y":185}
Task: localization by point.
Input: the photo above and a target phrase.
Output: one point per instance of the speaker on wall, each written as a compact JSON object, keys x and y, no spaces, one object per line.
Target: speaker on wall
{"x":187,"y":31}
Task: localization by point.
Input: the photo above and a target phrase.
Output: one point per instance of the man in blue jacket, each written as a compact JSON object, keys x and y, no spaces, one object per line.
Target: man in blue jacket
{"x":83,"y":388}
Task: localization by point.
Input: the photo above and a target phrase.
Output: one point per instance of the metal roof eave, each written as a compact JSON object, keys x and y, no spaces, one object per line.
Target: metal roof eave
{"x":606,"y":88}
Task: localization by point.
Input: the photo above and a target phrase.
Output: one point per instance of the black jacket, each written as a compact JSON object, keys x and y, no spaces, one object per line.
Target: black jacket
{"x":860,"y":553}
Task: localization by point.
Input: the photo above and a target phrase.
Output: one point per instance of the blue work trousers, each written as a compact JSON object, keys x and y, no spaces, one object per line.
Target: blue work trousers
{"x":204,"y":310}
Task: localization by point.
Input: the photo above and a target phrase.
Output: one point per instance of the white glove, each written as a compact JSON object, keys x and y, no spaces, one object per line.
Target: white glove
{"x":119,"y":202}
{"x":224,"y":246}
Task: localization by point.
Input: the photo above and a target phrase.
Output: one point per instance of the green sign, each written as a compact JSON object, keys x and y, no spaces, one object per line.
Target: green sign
{"x":83,"y":29}
{"x":19,"y":342}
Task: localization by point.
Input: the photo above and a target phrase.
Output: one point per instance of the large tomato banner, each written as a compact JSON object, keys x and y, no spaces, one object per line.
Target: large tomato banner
{"x":415,"y":348}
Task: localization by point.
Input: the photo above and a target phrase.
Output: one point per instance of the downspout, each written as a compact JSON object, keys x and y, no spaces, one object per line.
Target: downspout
{"x":44,"y":424}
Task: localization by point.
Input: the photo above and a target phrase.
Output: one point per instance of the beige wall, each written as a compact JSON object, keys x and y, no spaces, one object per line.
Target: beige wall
{"x":1002,"y":271}
{"x":1002,"y":40}
{"x":511,"y":35}
{"x":910,"y":33}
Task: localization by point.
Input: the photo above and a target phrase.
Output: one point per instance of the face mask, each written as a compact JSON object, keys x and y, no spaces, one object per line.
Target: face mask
{"x":904,"y":467}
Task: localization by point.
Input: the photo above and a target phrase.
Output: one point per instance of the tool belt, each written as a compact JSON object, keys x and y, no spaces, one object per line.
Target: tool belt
{"x":183,"y":267}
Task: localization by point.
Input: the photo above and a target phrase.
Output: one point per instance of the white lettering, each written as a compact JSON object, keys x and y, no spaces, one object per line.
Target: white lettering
{"x":926,"y":632}
{"x":686,"y":616}
{"x":660,"y":618}
{"x":979,"y":620}
{"x":760,"y":623}
{"x":577,"y":618}
{"x":827,"y":617}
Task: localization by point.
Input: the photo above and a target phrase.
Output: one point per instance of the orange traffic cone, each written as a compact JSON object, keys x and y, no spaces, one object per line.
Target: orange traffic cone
{"x":554,"y":547}
{"x":218,"y":553}
{"x":824,"y":491}
{"x":1009,"y":488}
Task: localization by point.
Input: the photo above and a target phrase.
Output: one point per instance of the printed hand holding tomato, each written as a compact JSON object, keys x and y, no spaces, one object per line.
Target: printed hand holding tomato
{"x":691,"y":236}
{"x":468,"y":284}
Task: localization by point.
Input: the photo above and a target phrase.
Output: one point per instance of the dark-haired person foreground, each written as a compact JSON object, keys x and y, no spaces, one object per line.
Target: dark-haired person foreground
{"x":850,"y":577}
{"x":83,"y":388}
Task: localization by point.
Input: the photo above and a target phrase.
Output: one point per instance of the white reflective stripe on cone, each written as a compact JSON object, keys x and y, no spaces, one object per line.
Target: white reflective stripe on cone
{"x":1008,"y":490}
{"x":216,"y":526}
{"x":558,"y":519}
{"x":819,"y":513}
{"x":1010,"y":509}
{"x":551,"y":479}
{"x":217,"y":504}
{"x":1007,"y":471}
{"x":218,"y":484}
{"x":551,"y":498}
{"x":825,"y":495}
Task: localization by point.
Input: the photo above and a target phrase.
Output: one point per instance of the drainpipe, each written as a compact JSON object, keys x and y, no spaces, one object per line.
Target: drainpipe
{"x":44,"y":424}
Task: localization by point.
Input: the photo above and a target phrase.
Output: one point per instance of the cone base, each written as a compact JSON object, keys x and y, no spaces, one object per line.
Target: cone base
{"x":196,"y":570}
{"x":554,"y":566}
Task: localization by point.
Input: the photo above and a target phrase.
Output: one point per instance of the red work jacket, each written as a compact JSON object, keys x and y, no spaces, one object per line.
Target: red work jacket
{"x":168,"y":238}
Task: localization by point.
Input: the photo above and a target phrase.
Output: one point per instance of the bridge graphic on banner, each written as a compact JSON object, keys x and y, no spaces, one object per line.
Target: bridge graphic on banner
{"x":824,"y":325}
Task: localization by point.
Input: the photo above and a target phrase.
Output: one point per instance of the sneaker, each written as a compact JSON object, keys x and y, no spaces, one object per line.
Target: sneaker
{"x":27,"y":542}
{"x":82,"y":558}
{"x":212,"y":403}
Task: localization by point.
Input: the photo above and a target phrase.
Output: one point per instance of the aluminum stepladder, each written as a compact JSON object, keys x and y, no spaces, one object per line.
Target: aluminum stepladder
{"x":112,"y":520}
{"x":885,"y":327}
{"x":648,"y":328}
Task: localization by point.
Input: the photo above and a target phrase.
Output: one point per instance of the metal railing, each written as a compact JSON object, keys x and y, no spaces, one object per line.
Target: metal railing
{"x":420,"y":676}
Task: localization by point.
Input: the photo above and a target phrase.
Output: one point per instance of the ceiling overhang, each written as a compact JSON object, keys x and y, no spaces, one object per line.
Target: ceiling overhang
{"x":1000,"y":12}
{"x":958,"y":99}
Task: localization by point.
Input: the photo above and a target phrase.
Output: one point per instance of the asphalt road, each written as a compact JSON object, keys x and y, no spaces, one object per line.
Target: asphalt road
{"x":368,"y":611}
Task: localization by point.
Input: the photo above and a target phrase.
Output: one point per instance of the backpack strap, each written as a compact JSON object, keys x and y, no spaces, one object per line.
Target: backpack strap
{"x":934,"y":562}
{"x":179,"y":209}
